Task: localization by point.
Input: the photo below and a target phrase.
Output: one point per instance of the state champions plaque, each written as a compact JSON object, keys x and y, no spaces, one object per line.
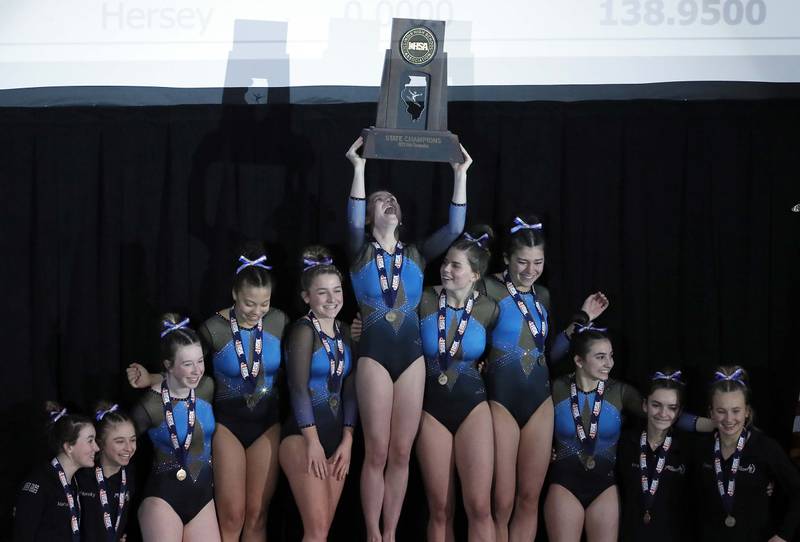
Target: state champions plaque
{"x":411,"y":123}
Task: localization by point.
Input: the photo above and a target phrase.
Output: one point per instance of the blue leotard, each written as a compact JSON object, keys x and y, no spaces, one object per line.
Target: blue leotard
{"x":246,"y":412}
{"x":394,"y":344}
{"x":308,"y":368}
{"x":451,"y":403}
{"x":517,"y":374}
{"x":189,"y":496}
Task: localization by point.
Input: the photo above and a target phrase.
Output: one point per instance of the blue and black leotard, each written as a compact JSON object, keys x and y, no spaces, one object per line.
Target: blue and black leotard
{"x":517,"y":373}
{"x":246,"y":410}
{"x":189,"y":496}
{"x":569,"y":466}
{"x":393,"y":341}
{"x":452,"y":402}
{"x":314,"y":403}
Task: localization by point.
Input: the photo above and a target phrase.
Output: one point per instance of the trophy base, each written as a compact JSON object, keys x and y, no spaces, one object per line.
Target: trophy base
{"x":414,"y":145}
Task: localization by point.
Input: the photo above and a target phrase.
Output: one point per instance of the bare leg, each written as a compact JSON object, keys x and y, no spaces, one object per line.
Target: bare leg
{"x":159,"y":522}
{"x":535,"y":446}
{"x":203,"y":527}
{"x":563,"y":515}
{"x":406,"y":412}
{"x":375,"y":395}
{"x":602,"y":517}
{"x":262,"y":477}
{"x":506,"y":442}
{"x":229,"y":460}
{"x":437,"y":461}
{"x":474,"y":451}
{"x":310,"y":493}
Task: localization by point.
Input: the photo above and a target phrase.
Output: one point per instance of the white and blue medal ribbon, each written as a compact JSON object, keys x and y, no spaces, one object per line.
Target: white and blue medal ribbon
{"x":650,"y":486}
{"x":72,"y":502}
{"x":179,"y":451}
{"x":336,"y":359}
{"x":588,"y":439}
{"x":727,"y":488}
{"x":250,"y":376}
{"x":112,"y":528}
{"x":446,"y":354}
{"x":389,"y":291}
{"x":539,"y":333}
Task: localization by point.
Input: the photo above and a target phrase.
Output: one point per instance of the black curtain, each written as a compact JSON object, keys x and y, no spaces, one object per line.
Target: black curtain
{"x":680,"y":212}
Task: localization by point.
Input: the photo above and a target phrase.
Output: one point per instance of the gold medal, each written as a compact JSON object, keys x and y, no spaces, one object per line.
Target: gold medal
{"x":442,"y":379}
{"x":647,"y":517}
{"x":590,"y":463}
{"x":391,"y":316}
{"x":333,"y":401}
{"x":730,"y":521}
{"x":180,"y":475}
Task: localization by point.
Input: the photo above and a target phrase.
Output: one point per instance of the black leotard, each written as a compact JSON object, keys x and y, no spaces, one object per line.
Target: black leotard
{"x":394,"y":344}
{"x":451,"y":403}
{"x":308,"y":368}
{"x":247,"y":414}
{"x":187,"y":497}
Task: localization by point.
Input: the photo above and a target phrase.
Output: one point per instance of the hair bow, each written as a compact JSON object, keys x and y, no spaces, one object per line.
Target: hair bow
{"x":520,"y":224}
{"x":55,"y":416}
{"x":675,"y":377}
{"x":478,"y":241}
{"x":258,"y":262}
{"x":736,"y":376}
{"x":169,"y":327}
{"x":580,"y":328}
{"x":98,"y":416}
{"x":309,"y":263}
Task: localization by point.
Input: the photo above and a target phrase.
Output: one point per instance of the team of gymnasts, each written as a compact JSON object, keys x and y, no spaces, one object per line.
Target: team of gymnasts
{"x":457,"y":373}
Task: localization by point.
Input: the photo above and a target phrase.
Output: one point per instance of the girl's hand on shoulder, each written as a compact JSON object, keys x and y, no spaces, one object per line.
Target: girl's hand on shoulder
{"x":595,"y":305}
{"x":138,"y":376}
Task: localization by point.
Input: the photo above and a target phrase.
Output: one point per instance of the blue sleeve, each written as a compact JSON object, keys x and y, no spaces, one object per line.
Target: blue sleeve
{"x":356,"y":221}
{"x":442,"y":238}
{"x":559,"y":349}
{"x":299,"y":349}
{"x":687,"y":422}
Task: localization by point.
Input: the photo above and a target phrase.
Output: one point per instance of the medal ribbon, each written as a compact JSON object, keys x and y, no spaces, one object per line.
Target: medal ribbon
{"x":727,"y":492}
{"x":649,"y":487}
{"x":389,"y":291}
{"x":336,"y":359}
{"x":74,"y":506}
{"x":248,"y":376}
{"x":102,"y":493}
{"x":178,"y":450}
{"x":446,"y":354}
{"x":538,"y":334}
{"x":589,"y":440}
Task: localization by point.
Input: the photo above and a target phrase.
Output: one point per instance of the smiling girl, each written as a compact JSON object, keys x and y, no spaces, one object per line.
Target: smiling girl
{"x":106,"y":489}
{"x":318,"y":435}
{"x":47,"y":507}
{"x":737,"y":463}
{"x":652,"y":466}
{"x":178,"y":500}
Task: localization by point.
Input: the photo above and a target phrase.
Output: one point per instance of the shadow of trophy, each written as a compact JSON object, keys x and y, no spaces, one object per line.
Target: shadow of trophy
{"x":412,"y":108}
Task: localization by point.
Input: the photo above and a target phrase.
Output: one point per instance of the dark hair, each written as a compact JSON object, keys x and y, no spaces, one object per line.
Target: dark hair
{"x":667,"y":384}
{"x":172,"y":341}
{"x":112,"y":416}
{"x":252,"y":275}
{"x":316,"y":253}
{"x":478,"y":253}
{"x":61,"y":428}
{"x":582,"y":341}
{"x":524,"y":237}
